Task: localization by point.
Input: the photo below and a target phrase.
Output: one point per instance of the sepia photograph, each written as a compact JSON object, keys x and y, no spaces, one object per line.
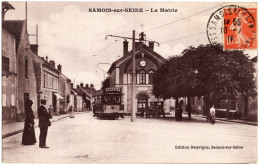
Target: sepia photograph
{"x":123,"y":82}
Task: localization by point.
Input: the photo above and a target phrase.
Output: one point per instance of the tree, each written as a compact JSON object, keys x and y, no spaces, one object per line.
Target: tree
{"x":204,"y":71}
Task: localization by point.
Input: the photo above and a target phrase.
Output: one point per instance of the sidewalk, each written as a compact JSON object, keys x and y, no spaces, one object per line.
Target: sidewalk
{"x":10,"y":129}
{"x":227,"y":120}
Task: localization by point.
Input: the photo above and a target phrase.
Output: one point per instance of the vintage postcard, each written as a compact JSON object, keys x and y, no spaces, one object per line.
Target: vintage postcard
{"x":129,"y":82}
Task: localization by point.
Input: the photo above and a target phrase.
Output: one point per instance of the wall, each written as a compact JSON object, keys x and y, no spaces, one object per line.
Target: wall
{"x":9,"y":83}
{"x":64,"y":91}
{"x":25,"y":85}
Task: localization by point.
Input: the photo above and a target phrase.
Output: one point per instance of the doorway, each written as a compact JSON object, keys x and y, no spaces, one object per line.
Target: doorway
{"x":54,"y":102}
{"x":142,"y":103}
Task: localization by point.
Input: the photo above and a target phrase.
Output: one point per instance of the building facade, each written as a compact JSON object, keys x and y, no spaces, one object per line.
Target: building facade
{"x":64,"y":91}
{"x":120,"y":74}
{"x":9,"y":74}
{"x":78,"y":103}
{"x":26,"y":75}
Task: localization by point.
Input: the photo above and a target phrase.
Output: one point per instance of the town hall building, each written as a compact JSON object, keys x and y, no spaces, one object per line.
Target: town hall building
{"x":120,"y":74}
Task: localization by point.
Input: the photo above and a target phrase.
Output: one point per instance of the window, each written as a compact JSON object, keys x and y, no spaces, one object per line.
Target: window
{"x":49,"y":81}
{"x":142,"y":77}
{"x":26,"y":68}
{"x":12,"y":100}
{"x":45,"y":80}
{"x":53,"y":83}
{"x":3,"y":51}
{"x":131,"y":77}
{"x":151,"y":76}
{"x":3,"y":100}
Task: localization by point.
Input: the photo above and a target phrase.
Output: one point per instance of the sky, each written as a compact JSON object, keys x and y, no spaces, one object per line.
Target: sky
{"x":75,"y":38}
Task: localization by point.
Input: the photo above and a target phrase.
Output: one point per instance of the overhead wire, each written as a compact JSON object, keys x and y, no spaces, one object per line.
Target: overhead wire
{"x":105,"y":48}
{"x":182,"y":37}
{"x":181,"y":18}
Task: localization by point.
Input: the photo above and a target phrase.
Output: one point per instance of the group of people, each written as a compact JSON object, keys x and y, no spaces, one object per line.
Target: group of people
{"x":44,"y":116}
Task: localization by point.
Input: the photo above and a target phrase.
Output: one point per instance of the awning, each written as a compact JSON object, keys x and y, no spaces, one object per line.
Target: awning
{"x":59,"y":96}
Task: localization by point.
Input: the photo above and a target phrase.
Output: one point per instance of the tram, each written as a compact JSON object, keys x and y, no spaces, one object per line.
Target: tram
{"x":108,"y":104}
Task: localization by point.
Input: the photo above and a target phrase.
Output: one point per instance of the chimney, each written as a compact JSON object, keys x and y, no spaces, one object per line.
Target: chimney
{"x":34,"y":48}
{"x":125,"y":47}
{"x":151,"y":45}
{"x":91,"y":85}
{"x":59,"y":67}
{"x":81,"y":85}
{"x":87,"y":86}
{"x":46,"y":58}
{"x":77,"y":86}
{"x":52,"y":63}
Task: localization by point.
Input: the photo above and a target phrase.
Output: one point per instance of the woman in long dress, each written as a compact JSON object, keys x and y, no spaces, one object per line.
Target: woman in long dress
{"x":28,"y":132}
{"x":71,"y":112}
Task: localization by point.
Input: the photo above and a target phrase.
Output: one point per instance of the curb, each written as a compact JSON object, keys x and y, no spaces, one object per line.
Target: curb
{"x":36,"y":126}
{"x":240,"y":122}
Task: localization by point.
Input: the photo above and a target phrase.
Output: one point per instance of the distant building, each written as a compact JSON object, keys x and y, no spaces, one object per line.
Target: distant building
{"x":64,"y":91}
{"x":86,"y":97}
{"x":78,"y":101}
{"x":50,"y":85}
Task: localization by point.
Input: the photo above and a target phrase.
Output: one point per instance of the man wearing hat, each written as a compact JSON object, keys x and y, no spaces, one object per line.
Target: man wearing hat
{"x":44,"y":123}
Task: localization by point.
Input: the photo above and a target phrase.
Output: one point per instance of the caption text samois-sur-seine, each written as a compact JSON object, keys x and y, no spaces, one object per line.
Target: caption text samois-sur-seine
{"x":132,"y":10}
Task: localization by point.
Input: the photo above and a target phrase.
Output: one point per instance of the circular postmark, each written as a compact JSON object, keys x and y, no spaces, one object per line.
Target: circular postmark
{"x":232,"y":27}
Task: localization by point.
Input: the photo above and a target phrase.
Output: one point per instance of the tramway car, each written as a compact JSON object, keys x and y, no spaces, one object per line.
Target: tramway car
{"x":108,"y":104}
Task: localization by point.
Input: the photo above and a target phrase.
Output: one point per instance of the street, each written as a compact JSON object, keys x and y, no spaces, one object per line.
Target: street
{"x":85,"y":139}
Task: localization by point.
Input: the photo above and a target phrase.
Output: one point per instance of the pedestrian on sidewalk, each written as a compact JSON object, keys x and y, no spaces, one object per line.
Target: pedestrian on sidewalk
{"x":212,"y":114}
{"x":71,"y":112}
{"x":28,"y":132}
{"x":44,"y":123}
{"x":50,"y":110}
{"x":179,"y":111}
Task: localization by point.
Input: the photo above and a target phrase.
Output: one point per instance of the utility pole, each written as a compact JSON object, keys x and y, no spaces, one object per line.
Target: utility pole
{"x":133,"y":70}
{"x":133,"y":80}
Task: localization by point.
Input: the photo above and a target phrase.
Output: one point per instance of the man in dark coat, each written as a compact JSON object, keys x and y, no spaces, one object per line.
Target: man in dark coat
{"x":44,"y":123}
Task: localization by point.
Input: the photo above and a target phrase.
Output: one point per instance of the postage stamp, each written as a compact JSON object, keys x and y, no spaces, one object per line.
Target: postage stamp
{"x":233,"y":27}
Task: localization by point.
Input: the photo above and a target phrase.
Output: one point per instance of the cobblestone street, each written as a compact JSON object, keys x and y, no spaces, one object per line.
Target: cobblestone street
{"x":85,"y":139}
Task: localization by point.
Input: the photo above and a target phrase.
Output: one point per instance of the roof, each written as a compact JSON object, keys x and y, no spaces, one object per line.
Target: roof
{"x":82,"y":90}
{"x":49,"y":66}
{"x":90,"y":90}
{"x":15,"y":25}
{"x":7,"y":27}
{"x":79,"y":92}
{"x":129,"y":55}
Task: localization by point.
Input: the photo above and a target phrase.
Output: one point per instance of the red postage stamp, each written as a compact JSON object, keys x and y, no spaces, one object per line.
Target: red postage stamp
{"x":240,"y":31}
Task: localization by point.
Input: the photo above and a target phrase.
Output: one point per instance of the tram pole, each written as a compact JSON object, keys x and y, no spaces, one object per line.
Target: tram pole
{"x":133,"y":80}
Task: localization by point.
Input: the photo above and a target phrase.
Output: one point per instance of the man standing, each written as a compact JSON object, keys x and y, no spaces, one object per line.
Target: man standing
{"x":44,"y":123}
